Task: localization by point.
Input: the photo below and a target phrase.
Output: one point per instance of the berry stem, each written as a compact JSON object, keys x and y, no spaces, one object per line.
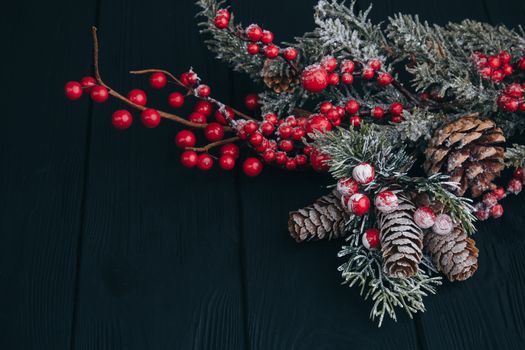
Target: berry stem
{"x":212,"y":145}
{"x":118,"y":96}
{"x":399,"y":87}
{"x":189,"y":90}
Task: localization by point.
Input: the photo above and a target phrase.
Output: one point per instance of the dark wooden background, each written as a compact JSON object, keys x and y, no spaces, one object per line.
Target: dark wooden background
{"x":108,"y":243}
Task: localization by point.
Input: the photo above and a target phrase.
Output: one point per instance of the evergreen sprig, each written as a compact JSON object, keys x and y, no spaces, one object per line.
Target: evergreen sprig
{"x":515,"y":156}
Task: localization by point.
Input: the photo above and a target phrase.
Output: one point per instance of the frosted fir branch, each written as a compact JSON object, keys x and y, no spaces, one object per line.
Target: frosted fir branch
{"x":419,"y":124}
{"x":364,"y":269}
{"x":515,"y":156}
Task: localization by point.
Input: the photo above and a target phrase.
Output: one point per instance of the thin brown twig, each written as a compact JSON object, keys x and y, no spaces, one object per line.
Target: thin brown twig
{"x":212,"y":145}
{"x":117,"y":95}
{"x":189,"y":90}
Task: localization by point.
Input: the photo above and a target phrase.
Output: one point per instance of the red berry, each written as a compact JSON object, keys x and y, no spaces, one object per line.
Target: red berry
{"x":158,"y":80}
{"x":185,"y":138}
{"x":290,"y":53}
{"x":329,"y":64}
{"x":355,"y":120}
{"x":318,"y":122}
{"x":99,"y":94}
{"x":521,"y":107}
{"x":286,"y":145}
{"x":189,"y":79}
{"x":250,"y":127}
{"x":214,"y":132}
{"x":333,"y":79}
{"x":511,"y":105}
{"x":230,"y":149}
{"x":314,"y":79}
{"x":494,"y":62}
{"x":280,"y":158}
{"x":204,"y":161}
{"x":203,"y":90}
{"x":341,"y":111}
{"x":73,"y":90}
{"x":88,"y":83}
{"x":291,"y":121}
{"x":325,"y":107}
{"x":396,"y":119}
{"x":371,"y":239}
{"x":224,"y":13}
{"x":197,"y":117}
{"x":298,"y":133}
{"x":368,"y":73}
{"x":121,"y":119}
{"x":347,"y":78}
{"x":319,"y":161}
{"x":256,"y":139}
{"x":267,"y":37}
{"x":268,"y":156}
{"x":359,"y":204}
{"x":138,"y":97}
{"x":267,"y":128}
{"x":486,"y":72}
{"x":504,"y":56}
{"x":301,"y":159}
{"x":220,"y":117}
{"x":482,"y":214}
{"x":515,"y":186}
{"x":290,"y":164}
{"x":221,"y":22}
{"x":385,"y":79}
{"x":521,"y":63}
{"x":518,"y":174}
{"x":499,"y":192}
{"x":271,"y":51}
{"x":176,"y":99}
{"x":348,"y":66}
{"x":188,"y":159}
{"x":507,"y":69}
{"x":227,"y":162}
{"x":496,"y":211}
{"x":396,"y":108}
{"x":271,"y":118}
{"x":514,"y":90}
{"x":285,"y":131}
{"x":253,"y":48}
{"x":251,"y":101}
{"x":254,"y":33}
{"x":252,"y":166}
{"x":203,"y":107}
{"x":490,"y":199}
{"x":498,"y":76}
{"x":352,"y":107}
{"x":375,"y":64}
{"x":377,"y":112}
{"x":150,"y":118}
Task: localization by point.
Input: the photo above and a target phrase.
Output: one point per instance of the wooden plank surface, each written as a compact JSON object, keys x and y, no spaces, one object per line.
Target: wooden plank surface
{"x":160,"y":252}
{"x":42,"y":152}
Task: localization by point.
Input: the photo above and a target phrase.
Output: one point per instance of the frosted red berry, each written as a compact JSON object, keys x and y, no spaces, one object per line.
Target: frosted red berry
{"x":220,"y":117}
{"x":385,"y":79}
{"x":375,"y":64}
{"x":73,"y":90}
{"x":267,"y":37}
{"x":352,"y":107}
{"x":204,"y":107}
{"x":333,"y":79}
{"x":377,"y":112}
{"x":203,"y":91}
{"x":230,"y":149}
{"x":150,"y":118}
{"x":271,"y":51}
{"x":267,"y":128}
{"x":314,"y":79}
{"x":325,"y":107}
{"x":224,"y":13}
{"x":286,"y":145}
{"x":329,"y":63}
{"x":285,"y":131}
{"x":368,"y":73}
{"x":494,"y":62}
{"x":505,"y":57}
{"x":121,"y":119}
{"x":158,"y":80}
{"x":138,"y":97}
{"x":254,"y":33}
{"x":253,"y":48}
{"x":88,"y":83}
{"x":290,"y":53}
{"x":221,"y":22}
{"x":298,"y":133}
{"x":271,"y":118}
{"x":347,"y":78}
{"x":252,"y":166}
{"x":496,"y":211}
{"x":348,"y":66}
{"x":197,"y":117}
{"x":256,"y":139}
{"x":99,"y":94}
{"x":317,"y":123}
{"x":396,"y":108}
{"x":185,"y":138}
{"x":250,"y":127}
{"x":355,"y":120}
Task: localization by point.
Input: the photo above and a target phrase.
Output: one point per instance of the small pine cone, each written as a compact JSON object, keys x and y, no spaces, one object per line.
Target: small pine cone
{"x":280,"y":78}
{"x":455,"y":254}
{"x":326,"y":217}
{"x":401,"y":240}
{"x":470,"y":150}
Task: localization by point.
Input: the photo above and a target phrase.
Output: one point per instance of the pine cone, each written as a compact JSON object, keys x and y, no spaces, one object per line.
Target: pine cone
{"x":279,"y":78}
{"x":401,"y":240}
{"x":455,"y":254}
{"x":470,"y":150}
{"x":326,"y":216}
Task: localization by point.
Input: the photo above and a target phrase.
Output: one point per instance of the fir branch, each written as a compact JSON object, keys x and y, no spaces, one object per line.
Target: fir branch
{"x":515,"y":156}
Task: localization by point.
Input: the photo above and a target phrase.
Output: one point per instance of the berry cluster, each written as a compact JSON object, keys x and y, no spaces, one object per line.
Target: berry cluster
{"x":354,"y":110}
{"x":500,"y":68}
{"x":329,"y":72}
{"x":258,"y":41}
{"x":489,"y":206}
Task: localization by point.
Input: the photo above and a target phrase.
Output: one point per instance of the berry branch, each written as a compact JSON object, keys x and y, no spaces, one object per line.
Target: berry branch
{"x":209,"y":146}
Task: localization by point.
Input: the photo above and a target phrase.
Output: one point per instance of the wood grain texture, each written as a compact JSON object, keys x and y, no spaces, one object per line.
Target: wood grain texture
{"x":160,"y":252}
{"x":42,"y":152}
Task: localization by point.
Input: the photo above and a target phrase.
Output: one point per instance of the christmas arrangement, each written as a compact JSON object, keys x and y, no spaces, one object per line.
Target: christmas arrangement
{"x":414,"y":164}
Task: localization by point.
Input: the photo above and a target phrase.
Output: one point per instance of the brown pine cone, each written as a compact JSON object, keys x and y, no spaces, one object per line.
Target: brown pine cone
{"x":470,"y":150}
{"x":401,"y":240}
{"x":279,"y":78}
{"x":326,"y":217}
{"x":455,"y":254}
